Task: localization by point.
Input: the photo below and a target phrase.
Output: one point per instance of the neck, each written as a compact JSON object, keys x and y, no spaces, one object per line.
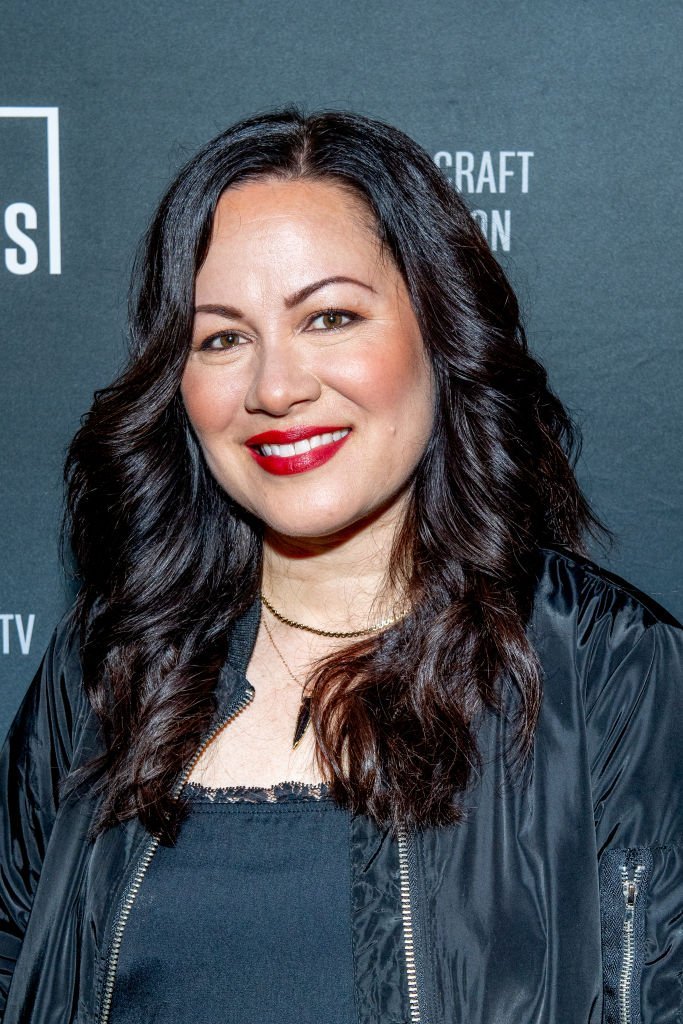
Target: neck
{"x":338,"y":582}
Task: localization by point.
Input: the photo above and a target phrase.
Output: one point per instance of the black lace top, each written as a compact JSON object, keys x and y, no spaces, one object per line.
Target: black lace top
{"x":247,"y":919}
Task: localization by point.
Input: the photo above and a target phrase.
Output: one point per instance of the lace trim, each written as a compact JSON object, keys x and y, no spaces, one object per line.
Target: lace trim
{"x":280,"y":792}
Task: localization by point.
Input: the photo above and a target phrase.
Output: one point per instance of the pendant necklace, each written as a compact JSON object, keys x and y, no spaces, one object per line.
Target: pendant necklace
{"x":304,"y":715}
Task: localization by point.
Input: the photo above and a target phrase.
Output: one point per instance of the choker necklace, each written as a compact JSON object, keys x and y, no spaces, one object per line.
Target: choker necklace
{"x":326,"y":632}
{"x":304,"y":715}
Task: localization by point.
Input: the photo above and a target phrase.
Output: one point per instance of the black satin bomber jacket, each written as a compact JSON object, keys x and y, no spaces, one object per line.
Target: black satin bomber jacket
{"x":558,"y":901}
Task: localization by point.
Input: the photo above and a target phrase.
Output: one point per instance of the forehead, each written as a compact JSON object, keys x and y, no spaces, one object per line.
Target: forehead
{"x":266,"y":199}
{"x":267,"y":218}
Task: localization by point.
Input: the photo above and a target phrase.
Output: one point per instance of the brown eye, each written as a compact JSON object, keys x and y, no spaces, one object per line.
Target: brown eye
{"x":332,"y":319}
{"x":222,"y":342}
{"x":227,"y":340}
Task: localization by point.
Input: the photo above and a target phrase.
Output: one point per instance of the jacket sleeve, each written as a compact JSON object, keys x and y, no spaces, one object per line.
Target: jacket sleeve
{"x":634,"y":708}
{"x":34,"y":759}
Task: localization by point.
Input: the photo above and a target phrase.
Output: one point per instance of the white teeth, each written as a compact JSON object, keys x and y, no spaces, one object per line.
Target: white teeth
{"x":284,"y":451}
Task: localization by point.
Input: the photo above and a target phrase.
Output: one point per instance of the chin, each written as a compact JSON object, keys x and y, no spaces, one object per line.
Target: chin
{"x":312,"y":524}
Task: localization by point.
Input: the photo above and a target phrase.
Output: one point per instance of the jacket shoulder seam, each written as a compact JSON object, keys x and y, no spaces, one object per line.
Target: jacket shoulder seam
{"x":659,"y":615}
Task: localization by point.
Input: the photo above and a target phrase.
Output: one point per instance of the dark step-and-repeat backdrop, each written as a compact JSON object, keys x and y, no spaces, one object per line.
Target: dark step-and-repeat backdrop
{"x":559,"y":122}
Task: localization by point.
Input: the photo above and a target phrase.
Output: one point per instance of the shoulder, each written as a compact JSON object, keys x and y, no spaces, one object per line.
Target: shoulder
{"x":593,"y":626}
{"x":55,"y":702}
{"x":612,"y":663}
{"x":573,"y":586}
{"x":62,"y":662}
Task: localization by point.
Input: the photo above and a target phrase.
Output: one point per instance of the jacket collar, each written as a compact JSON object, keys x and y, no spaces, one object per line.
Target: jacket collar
{"x":232,"y":679}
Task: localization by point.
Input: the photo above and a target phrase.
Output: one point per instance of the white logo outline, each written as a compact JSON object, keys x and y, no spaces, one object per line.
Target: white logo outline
{"x":51,"y":114}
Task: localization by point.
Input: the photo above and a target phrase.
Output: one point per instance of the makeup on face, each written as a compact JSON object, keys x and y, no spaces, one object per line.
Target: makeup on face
{"x":307,"y":384}
{"x":284,"y":452}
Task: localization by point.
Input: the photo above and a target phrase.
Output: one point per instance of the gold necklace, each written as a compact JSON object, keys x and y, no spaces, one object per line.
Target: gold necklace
{"x":327,"y":632}
{"x":304,"y":715}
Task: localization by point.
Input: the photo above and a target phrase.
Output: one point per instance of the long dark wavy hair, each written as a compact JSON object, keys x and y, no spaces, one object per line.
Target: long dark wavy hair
{"x":167,"y":560}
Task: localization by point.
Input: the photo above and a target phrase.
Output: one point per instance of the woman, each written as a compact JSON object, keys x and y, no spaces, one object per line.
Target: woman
{"x":343,"y":726}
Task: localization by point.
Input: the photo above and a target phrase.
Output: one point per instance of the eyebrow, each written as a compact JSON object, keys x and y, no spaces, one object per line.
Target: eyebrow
{"x":230,"y":312}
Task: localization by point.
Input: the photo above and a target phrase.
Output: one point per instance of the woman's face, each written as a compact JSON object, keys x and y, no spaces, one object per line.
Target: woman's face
{"x":307,"y":383}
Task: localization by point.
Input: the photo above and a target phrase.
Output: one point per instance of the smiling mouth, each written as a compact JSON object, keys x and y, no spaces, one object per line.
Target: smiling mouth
{"x":286,"y":452}
{"x":306,"y":444}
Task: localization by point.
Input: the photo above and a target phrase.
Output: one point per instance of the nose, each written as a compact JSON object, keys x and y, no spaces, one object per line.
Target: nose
{"x":280,"y":380}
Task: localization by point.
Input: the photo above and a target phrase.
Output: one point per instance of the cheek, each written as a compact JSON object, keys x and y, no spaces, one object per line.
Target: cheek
{"x":397,"y":385}
{"x":210,"y":400}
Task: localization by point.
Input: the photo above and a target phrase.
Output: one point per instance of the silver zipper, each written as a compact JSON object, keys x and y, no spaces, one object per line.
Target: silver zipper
{"x":144,"y":862}
{"x":408,"y":933}
{"x":629,"y":888}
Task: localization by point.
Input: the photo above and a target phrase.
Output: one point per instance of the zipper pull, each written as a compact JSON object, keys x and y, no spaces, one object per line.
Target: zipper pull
{"x":630,"y":890}
{"x":629,"y":886}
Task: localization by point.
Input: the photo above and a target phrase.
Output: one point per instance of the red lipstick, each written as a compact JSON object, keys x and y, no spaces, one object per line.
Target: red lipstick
{"x":286,"y":465}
